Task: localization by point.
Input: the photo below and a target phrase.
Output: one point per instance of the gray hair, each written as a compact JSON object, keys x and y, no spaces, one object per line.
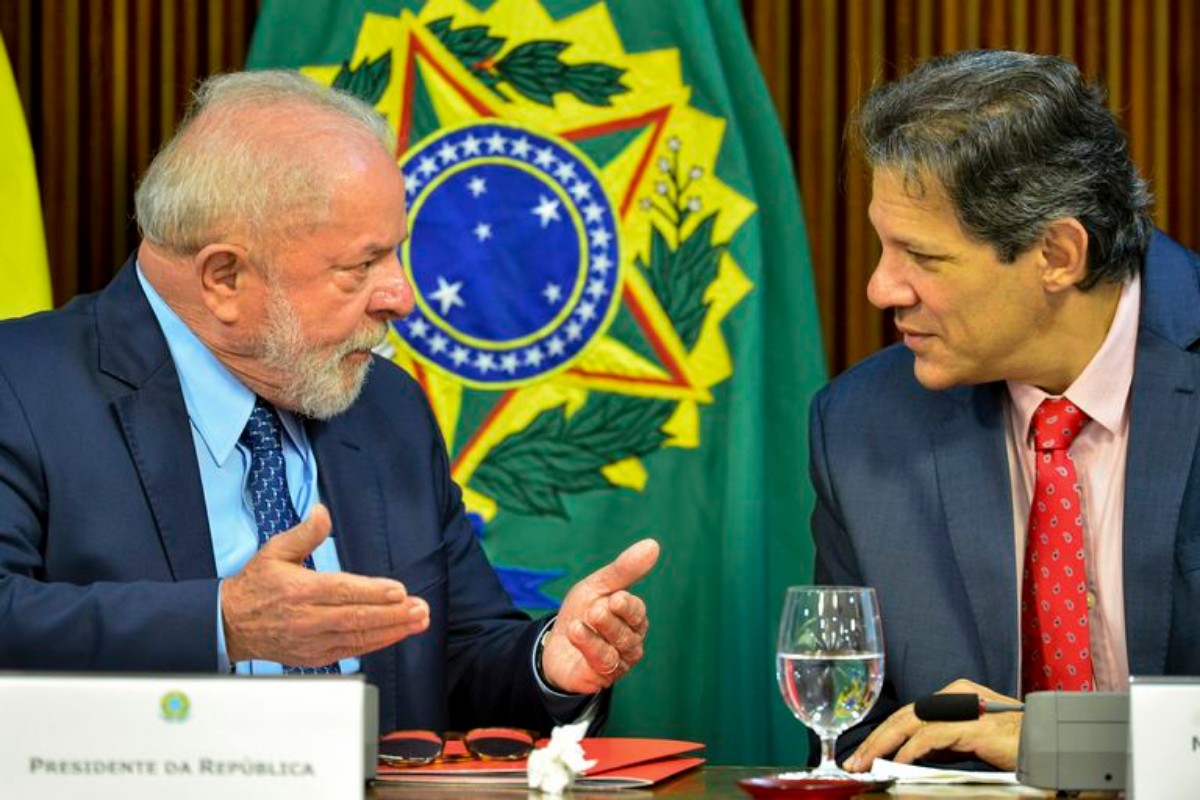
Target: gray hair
{"x":243,"y":160}
{"x":1016,"y":140}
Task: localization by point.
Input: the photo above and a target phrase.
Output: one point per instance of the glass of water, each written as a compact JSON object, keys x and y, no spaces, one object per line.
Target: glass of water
{"x":829,"y":662}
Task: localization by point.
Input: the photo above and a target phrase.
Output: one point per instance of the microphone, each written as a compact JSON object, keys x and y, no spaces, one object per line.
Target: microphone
{"x":952,"y":707}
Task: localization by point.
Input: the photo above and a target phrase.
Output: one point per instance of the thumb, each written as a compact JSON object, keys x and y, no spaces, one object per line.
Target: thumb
{"x":630,"y":567}
{"x":297,"y":544}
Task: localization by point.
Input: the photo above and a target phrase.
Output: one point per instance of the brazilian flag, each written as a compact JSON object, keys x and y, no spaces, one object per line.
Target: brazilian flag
{"x":24,"y":271}
{"x":615,"y":319}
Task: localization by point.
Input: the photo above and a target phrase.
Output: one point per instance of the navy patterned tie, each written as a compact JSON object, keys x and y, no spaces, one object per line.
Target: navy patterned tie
{"x":273,"y":509}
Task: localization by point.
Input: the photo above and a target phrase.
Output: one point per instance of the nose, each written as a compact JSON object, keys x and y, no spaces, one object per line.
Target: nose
{"x":889,"y":286}
{"x":392,"y":294}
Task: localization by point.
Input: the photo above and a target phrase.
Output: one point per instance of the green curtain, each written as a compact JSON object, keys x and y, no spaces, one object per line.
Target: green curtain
{"x":683,"y":414}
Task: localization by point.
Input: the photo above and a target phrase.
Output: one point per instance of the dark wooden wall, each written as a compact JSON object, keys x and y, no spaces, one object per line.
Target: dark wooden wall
{"x":818,"y":56}
{"x":104,"y":81}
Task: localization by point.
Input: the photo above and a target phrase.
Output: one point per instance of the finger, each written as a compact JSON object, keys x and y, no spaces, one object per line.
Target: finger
{"x":330,"y":635}
{"x":321,"y":621}
{"x":887,"y":738}
{"x":931,"y":737}
{"x":630,"y":608}
{"x":630,"y":567}
{"x":963,"y":685}
{"x":601,"y":657}
{"x":613,"y":628}
{"x":335,"y":648}
{"x":347,"y":589}
{"x":298,"y":543}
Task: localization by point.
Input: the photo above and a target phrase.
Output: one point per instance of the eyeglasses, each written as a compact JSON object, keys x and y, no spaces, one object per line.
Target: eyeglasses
{"x":413,"y":748}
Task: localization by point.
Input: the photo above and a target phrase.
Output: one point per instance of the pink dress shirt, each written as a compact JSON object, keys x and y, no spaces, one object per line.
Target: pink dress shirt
{"x":1102,"y":391}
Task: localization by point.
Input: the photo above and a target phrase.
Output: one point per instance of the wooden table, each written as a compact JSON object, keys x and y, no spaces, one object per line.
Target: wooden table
{"x":709,"y":783}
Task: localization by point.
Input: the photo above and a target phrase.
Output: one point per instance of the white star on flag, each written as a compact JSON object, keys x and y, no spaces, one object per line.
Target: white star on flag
{"x":555,"y":346}
{"x":447,"y":295}
{"x":495,"y":143}
{"x":509,"y":363}
{"x":565,"y":172}
{"x":483,"y":231}
{"x":600,"y":237}
{"x":438,"y":343}
{"x":592,"y":212}
{"x":546,"y":210}
{"x":545,"y":158}
{"x":477,"y":186}
{"x":428,"y":166}
{"x":596,"y":288}
{"x":552,"y":293}
{"x":447,"y":153}
{"x":460,"y":355}
{"x":520,"y":148}
{"x":580,"y":191}
{"x":485,"y":363}
{"x":418,"y":327}
{"x":533,"y":357}
{"x":470,"y":145}
{"x":602,"y":264}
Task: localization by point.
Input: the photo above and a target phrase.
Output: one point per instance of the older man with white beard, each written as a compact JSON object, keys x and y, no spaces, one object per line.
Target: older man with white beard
{"x":204,"y":467}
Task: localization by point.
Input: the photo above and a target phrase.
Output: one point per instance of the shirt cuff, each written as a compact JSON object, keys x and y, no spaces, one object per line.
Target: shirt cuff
{"x":223,"y":664}
{"x":564,"y":707}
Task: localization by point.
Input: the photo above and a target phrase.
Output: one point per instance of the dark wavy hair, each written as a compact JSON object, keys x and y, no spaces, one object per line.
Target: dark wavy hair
{"x":1016,"y":140}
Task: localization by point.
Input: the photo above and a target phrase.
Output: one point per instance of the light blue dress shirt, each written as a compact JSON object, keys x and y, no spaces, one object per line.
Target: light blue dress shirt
{"x":218,"y":406}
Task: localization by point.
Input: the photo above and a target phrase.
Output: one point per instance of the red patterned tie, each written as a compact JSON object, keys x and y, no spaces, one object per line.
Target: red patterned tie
{"x":1055,"y":643}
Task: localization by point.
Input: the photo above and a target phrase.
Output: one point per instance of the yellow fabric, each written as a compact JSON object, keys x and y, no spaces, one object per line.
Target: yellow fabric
{"x":24,"y":270}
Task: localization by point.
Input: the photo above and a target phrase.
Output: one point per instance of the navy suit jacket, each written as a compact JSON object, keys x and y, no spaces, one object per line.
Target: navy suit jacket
{"x":106,"y":560}
{"x":914,"y":499}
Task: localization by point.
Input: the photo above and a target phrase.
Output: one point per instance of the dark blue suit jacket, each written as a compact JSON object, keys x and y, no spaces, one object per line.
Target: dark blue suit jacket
{"x":106,"y":560}
{"x":913,"y":498}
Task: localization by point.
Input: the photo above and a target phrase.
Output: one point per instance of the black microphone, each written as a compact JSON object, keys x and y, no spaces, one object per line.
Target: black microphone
{"x":953,"y":707}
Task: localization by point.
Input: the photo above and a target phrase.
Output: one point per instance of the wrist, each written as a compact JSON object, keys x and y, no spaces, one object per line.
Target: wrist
{"x":539,"y":658}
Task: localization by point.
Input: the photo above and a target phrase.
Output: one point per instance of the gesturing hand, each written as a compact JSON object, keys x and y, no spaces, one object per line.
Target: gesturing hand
{"x":599,"y":632}
{"x":278,"y":610}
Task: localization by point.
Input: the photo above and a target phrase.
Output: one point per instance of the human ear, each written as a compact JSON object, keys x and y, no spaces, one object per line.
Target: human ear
{"x":225,"y":275}
{"x":1064,"y":249}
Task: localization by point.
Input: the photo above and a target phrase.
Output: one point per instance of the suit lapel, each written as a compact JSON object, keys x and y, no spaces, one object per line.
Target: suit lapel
{"x":154,"y":420}
{"x":350,"y":489}
{"x":1163,"y":430}
{"x":156,"y":427}
{"x":974,"y":481}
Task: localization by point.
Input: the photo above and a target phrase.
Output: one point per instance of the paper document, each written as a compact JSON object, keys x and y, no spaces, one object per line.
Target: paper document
{"x":912,"y":774}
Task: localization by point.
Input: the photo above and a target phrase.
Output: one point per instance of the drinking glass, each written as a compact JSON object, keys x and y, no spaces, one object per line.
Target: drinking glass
{"x":830,"y":661}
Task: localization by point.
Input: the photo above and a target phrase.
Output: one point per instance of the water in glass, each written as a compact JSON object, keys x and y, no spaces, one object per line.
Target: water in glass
{"x":829,"y":662}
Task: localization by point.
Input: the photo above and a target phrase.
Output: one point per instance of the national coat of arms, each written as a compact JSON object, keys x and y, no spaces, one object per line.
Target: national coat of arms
{"x":568,"y":248}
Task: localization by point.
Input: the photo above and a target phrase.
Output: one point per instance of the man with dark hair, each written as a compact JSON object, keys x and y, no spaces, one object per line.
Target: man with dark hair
{"x":204,"y":468}
{"x":1017,"y":480}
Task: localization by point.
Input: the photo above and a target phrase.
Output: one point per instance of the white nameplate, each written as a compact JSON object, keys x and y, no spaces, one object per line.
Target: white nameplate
{"x":1164,"y":738}
{"x":185,"y":737}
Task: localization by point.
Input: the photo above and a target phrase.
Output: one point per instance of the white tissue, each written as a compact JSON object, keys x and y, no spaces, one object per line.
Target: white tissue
{"x":552,"y":769}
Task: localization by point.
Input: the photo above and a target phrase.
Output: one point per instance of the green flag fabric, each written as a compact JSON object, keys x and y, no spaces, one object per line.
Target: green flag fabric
{"x":615,"y":321}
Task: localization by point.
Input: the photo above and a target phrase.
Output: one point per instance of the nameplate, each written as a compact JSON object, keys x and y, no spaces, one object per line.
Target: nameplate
{"x":178,"y":738}
{"x":1164,"y":738}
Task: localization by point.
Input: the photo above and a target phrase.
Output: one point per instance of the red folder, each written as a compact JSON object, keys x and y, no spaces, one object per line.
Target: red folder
{"x":620,"y":763}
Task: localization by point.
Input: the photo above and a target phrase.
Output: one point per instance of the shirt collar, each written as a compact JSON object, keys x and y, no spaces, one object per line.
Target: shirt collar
{"x":218,"y":404}
{"x":1102,"y":389}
